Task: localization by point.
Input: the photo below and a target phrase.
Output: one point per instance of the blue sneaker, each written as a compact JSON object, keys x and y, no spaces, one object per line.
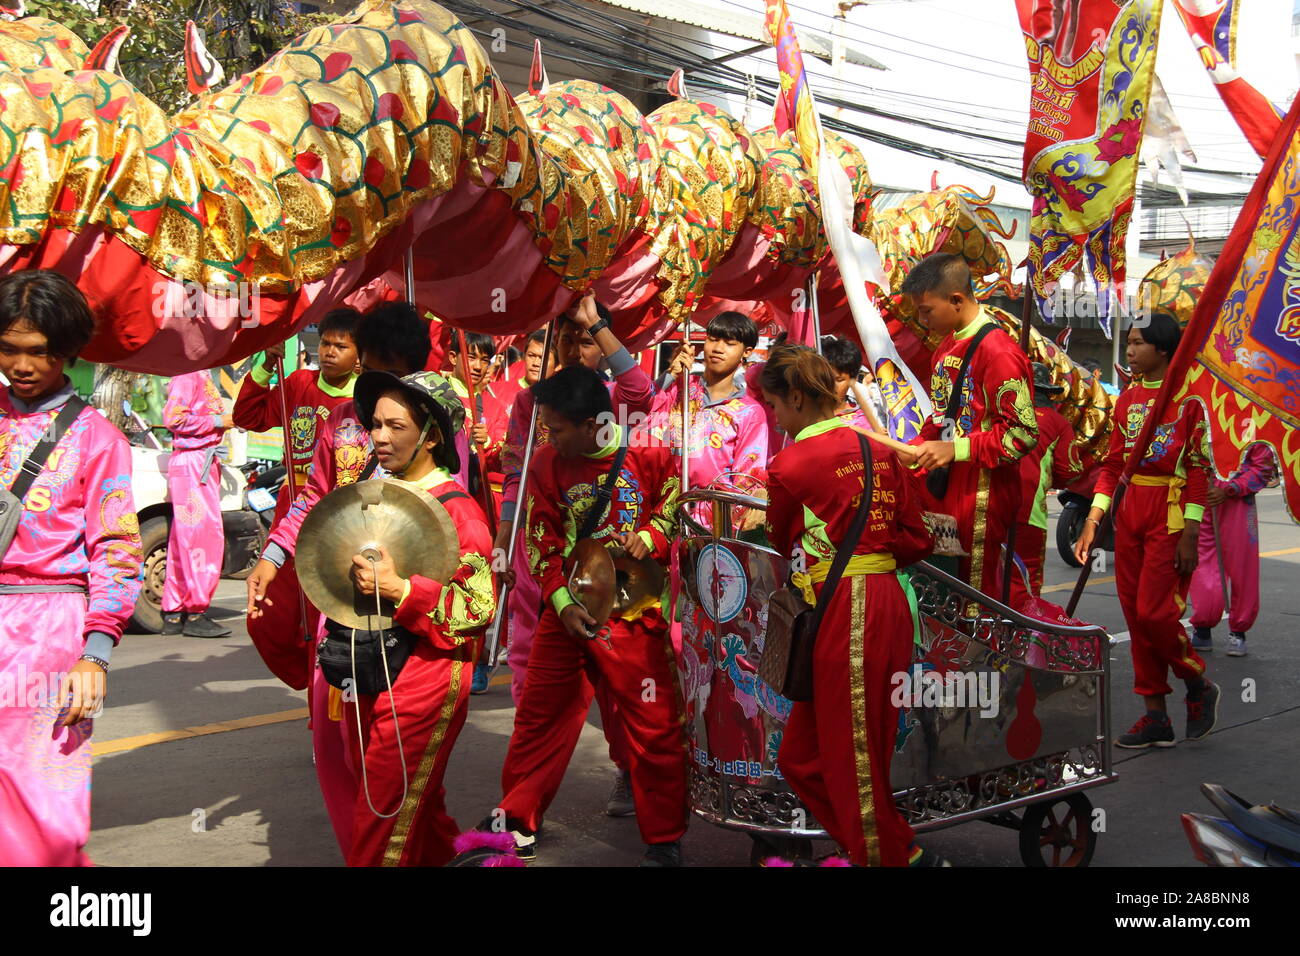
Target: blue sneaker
{"x":479,"y":684}
{"x":1202,"y":640}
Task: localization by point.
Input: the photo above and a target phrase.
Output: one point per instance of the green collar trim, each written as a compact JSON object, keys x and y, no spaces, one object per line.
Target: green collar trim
{"x":439,"y":476}
{"x":345,"y":391}
{"x":980,"y":320}
{"x":609,"y":449}
{"x":821,"y":428}
{"x":1144,"y":382}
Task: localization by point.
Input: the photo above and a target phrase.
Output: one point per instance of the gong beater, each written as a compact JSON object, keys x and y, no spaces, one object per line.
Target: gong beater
{"x":410,"y":524}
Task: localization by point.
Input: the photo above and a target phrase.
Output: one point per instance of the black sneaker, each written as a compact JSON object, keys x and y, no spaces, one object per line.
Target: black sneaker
{"x":663,"y":854}
{"x":200,"y":625}
{"x":525,"y":839}
{"x":1202,"y":710}
{"x":1149,"y":731}
{"x":173,"y":622}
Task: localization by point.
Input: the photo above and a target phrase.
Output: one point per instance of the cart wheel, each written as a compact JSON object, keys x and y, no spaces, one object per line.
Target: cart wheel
{"x":787,"y":848}
{"x":1058,"y":832}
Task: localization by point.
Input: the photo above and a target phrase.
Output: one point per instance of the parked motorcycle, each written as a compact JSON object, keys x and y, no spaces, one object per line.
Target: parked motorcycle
{"x":1245,"y":835}
{"x":264,"y":483}
{"x":1076,"y":502}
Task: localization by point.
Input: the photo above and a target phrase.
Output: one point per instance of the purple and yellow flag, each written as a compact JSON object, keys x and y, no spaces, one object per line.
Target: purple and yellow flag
{"x":907,"y":401}
{"x":1240,"y":353}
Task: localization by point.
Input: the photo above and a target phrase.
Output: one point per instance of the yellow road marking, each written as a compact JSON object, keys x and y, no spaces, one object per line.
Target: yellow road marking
{"x":1277,"y":554}
{"x":1069,"y":585}
{"x":122,"y":744}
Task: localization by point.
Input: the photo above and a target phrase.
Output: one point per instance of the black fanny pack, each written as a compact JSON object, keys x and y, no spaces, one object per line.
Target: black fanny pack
{"x":372,"y":650}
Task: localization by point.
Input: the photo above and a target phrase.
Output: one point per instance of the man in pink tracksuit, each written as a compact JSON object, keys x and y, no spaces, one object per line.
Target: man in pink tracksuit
{"x":1232,"y":516}
{"x":196,"y":544}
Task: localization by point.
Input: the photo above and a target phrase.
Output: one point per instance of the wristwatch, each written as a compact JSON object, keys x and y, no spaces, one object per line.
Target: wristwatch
{"x":601,"y":323}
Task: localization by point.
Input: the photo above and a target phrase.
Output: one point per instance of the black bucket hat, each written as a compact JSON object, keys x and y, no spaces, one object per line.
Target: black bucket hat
{"x":427,"y":390}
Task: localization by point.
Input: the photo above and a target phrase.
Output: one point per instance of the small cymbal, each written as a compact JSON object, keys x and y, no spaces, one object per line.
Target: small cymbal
{"x":592,"y":579}
{"x":410,"y":524}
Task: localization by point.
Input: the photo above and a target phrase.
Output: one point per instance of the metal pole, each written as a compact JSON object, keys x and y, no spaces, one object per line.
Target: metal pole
{"x":409,"y":275}
{"x":492,"y":639}
{"x":816,"y":312}
{"x":1026,"y":323}
{"x":291,"y":480}
{"x":684,"y":393}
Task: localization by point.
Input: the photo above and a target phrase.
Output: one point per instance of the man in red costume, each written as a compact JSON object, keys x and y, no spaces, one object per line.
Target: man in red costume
{"x":630,"y":658}
{"x":993,"y":425}
{"x":310,"y":397}
{"x":1157,"y":533}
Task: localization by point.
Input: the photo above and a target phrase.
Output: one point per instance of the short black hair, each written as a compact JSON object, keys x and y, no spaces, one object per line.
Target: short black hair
{"x":843,"y":355}
{"x":539,"y":337}
{"x":53,"y":305}
{"x":1163,"y":332}
{"x":343,"y":321}
{"x":733,"y":327}
{"x":395,"y":331}
{"x":474,"y":342}
{"x":940,"y":273}
{"x":576,"y":393}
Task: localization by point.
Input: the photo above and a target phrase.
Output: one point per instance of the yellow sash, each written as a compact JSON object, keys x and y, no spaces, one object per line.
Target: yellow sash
{"x":1175,"y":485}
{"x":858,"y":564}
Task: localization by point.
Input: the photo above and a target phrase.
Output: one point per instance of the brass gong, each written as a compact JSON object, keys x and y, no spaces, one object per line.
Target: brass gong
{"x":411,"y":525}
{"x":609,"y":583}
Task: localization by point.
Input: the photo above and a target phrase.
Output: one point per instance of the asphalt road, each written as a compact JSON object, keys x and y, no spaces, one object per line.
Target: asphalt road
{"x":204,"y":759}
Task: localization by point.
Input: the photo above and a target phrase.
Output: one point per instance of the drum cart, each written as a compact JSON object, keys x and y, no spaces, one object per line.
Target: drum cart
{"x":1021,"y":754}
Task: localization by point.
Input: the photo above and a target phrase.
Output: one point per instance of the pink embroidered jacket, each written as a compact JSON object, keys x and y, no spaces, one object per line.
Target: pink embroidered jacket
{"x":193,"y":411}
{"x":78,"y":524}
{"x":728,"y":437}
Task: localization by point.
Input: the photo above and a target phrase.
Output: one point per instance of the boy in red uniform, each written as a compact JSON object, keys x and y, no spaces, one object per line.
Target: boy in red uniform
{"x":1052,"y":463}
{"x":993,"y":426}
{"x":310,"y":397}
{"x":633,"y":661}
{"x":416,"y":723}
{"x":583,"y":337}
{"x":1157,"y":526}
{"x":836,"y":748}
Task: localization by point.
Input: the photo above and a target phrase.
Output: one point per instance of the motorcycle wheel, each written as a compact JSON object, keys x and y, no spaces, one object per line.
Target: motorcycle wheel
{"x":1069,"y":525}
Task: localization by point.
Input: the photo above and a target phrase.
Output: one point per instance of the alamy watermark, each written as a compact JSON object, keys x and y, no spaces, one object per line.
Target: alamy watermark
{"x":1080,"y":302}
{"x":192,"y":300}
{"x":916,"y":688}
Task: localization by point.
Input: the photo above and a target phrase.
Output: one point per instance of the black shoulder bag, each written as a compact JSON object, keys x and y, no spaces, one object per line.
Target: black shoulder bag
{"x":372,"y":648}
{"x":11,"y":498}
{"x":787,"y":662}
{"x":937,"y":480}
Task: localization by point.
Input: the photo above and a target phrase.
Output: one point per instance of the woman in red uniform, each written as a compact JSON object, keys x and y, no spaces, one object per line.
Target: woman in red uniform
{"x":836,"y":748}
{"x":1157,"y":527}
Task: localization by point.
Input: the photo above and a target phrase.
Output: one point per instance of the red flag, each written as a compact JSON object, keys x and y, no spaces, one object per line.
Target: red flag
{"x":1214,"y":34}
{"x":1063,"y":340}
{"x":1239,"y":357}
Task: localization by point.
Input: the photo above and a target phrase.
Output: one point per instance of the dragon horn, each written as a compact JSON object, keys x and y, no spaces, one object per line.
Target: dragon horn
{"x":677,"y":85}
{"x":104,"y":55}
{"x":538,"y":82}
{"x":202,"y":71}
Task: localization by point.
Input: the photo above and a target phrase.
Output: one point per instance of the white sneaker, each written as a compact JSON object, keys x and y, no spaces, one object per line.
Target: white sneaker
{"x":1236,"y":644}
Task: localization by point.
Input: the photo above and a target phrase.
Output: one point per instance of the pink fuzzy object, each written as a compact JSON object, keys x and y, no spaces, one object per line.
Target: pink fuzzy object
{"x":776,"y":861}
{"x":503,"y":843}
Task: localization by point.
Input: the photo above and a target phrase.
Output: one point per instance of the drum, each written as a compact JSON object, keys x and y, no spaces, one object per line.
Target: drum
{"x":734,"y":721}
